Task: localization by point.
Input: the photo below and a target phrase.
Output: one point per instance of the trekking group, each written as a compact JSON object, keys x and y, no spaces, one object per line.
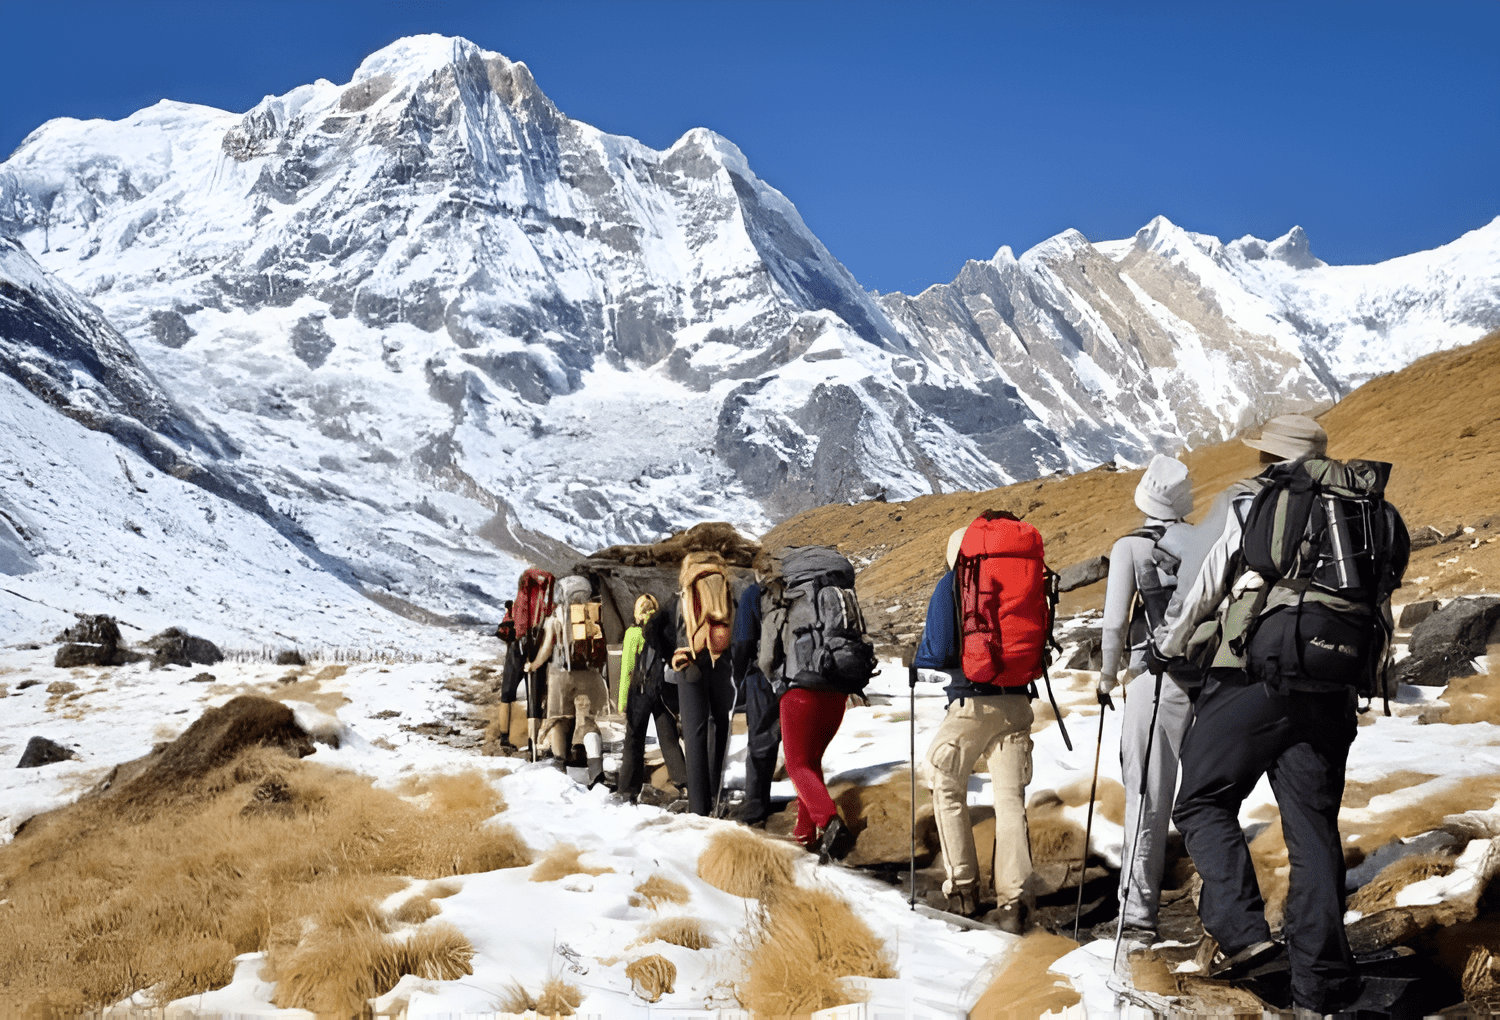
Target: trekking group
{"x":1241,"y":646}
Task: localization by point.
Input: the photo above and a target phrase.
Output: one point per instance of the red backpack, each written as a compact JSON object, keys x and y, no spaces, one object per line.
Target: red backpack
{"x":1006,"y":600}
{"x":533,"y":603}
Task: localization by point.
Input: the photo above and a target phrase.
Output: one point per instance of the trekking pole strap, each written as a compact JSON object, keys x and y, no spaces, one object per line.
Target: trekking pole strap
{"x":1047,"y":674}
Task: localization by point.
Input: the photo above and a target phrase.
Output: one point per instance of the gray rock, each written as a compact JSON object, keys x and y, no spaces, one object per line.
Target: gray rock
{"x":1081,"y":575}
{"x":41,"y":751}
{"x":1088,"y":655}
{"x":1417,"y":612}
{"x":176,"y":647}
{"x":1444,"y":645}
{"x":1394,"y":851}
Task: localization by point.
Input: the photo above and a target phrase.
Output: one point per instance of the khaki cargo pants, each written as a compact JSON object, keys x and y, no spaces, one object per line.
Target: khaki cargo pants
{"x":999,"y":729}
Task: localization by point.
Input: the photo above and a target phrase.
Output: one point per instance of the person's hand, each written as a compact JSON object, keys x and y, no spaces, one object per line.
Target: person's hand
{"x":1107,"y":683}
{"x":1155,"y":664}
{"x":857,"y":701}
{"x":681,"y":659}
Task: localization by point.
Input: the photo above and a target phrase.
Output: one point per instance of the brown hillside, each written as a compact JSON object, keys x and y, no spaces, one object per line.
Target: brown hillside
{"x":1437,"y":421}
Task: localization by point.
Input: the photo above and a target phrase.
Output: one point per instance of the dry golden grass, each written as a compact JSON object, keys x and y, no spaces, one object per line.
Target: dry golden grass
{"x":808,"y":941}
{"x":1026,"y":988}
{"x":562,"y":861}
{"x":468,"y":792}
{"x":1110,"y":797}
{"x":1380,"y":892}
{"x":687,"y":932}
{"x":1469,"y":699}
{"x":1358,"y":795}
{"x":659,"y":889}
{"x":744,"y":863}
{"x":652,"y":976}
{"x":514,"y":998}
{"x":335,"y":967}
{"x":415,"y":910}
{"x":558,"y":998}
{"x":156,"y":884}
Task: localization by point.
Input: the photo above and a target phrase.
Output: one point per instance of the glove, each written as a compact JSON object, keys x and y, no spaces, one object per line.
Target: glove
{"x":1107,"y":683}
{"x":1154,"y":662}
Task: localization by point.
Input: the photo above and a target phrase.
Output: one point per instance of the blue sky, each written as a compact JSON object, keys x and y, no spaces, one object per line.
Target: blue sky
{"x":912,"y":136}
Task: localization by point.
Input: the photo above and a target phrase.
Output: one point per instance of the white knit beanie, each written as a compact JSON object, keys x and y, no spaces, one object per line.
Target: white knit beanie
{"x":1165,"y":490}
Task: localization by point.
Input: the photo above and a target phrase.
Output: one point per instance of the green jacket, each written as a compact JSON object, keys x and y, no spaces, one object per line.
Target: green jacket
{"x":635,"y":641}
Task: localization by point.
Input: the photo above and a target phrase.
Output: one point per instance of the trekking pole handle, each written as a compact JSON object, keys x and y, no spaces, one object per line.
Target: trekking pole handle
{"x":909,"y":660}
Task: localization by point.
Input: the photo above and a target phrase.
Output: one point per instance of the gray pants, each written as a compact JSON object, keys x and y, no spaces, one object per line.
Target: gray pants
{"x":1144,"y":856}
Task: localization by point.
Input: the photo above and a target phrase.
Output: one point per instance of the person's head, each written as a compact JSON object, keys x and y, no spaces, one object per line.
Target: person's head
{"x":1165,"y":491}
{"x":763,"y":565}
{"x":1289,"y":437}
{"x":955,"y":540}
{"x":645,"y":606}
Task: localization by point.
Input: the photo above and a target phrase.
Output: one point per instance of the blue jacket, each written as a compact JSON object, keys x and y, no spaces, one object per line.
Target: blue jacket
{"x":744,"y":640}
{"x":942,"y":645}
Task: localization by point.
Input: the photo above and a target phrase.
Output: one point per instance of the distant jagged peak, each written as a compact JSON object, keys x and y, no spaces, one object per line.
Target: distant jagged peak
{"x":1062,"y":247}
{"x":1004,"y":257}
{"x":1293,"y":249}
{"x":1163,"y":237}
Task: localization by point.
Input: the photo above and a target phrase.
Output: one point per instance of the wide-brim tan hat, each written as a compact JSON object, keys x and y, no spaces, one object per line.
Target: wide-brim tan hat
{"x":1290,"y":436}
{"x":954,"y":541}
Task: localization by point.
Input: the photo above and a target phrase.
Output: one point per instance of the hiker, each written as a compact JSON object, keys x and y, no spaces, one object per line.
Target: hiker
{"x":989,"y":709}
{"x":762,"y":711}
{"x":1276,"y":703}
{"x":815,"y":655}
{"x":1143,"y":572}
{"x":527,"y":614}
{"x":573,"y":646}
{"x":693,"y":639}
{"x":646,"y":697}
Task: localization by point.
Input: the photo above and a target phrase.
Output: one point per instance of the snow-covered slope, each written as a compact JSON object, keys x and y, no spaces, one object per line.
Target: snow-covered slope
{"x":424,"y":317}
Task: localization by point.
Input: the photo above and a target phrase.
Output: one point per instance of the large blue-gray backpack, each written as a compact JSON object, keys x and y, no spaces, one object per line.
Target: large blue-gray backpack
{"x":812,"y":633}
{"x":1331,"y":549}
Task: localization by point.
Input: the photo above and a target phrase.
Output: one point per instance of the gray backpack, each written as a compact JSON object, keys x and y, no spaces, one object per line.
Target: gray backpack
{"x":812,"y":633}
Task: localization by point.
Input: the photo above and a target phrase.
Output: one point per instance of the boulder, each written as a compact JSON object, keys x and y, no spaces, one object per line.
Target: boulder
{"x":1444,"y":645}
{"x":176,"y":647}
{"x":710,"y":536}
{"x":41,"y":751}
{"x":93,"y":641}
{"x":1088,"y":655}
{"x":1080,"y":575}
{"x":1417,"y":612}
{"x":290,"y":657}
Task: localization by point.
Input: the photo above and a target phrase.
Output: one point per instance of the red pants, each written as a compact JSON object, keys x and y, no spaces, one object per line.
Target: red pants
{"x":809,"y":719}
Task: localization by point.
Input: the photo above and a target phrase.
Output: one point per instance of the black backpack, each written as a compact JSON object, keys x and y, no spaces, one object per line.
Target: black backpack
{"x":812,"y":633}
{"x":1331,"y":550}
{"x":1156,"y":581}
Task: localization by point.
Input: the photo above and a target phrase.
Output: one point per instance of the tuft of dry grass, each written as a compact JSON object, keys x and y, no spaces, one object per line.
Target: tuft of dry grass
{"x":1110,"y":799}
{"x":659,"y":889}
{"x":558,"y":998}
{"x":808,"y":941}
{"x":415,"y":910}
{"x":687,"y":932}
{"x":107,"y":897}
{"x":514,"y":999}
{"x":1380,"y":892}
{"x":744,"y":863}
{"x":336,"y":967}
{"x":562,"y":861}
{"x":652,"y":976}
{"x":1025,"y":987}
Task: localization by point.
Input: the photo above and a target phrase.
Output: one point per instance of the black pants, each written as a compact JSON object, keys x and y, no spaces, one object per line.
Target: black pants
{"x":763,"y":725}
{"x":706,"y":703}
{"x":515,"y":670}
{"x":650,"y":701}
{"x":1243,"y":731}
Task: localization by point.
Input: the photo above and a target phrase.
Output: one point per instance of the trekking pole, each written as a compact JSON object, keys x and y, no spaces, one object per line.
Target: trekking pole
{"x":1140,"y":814}
{"x":1088,"y":829}
{"x":724,"y":761}
{"x":911,"y":717}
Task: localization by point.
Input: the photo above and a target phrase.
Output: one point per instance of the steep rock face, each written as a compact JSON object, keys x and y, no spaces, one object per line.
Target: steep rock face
{"x":428,"y":299}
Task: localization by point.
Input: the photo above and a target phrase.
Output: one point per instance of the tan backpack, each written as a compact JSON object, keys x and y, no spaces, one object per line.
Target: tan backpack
{"x":707,"y":610}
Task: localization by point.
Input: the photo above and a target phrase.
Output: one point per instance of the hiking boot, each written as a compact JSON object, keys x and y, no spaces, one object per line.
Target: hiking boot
{"x":963,"y":902}
{"x":1140,"y":935}
{"x":1246,"y":960}
{"x":834,"y":842}
{"x":1009,"y":918}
